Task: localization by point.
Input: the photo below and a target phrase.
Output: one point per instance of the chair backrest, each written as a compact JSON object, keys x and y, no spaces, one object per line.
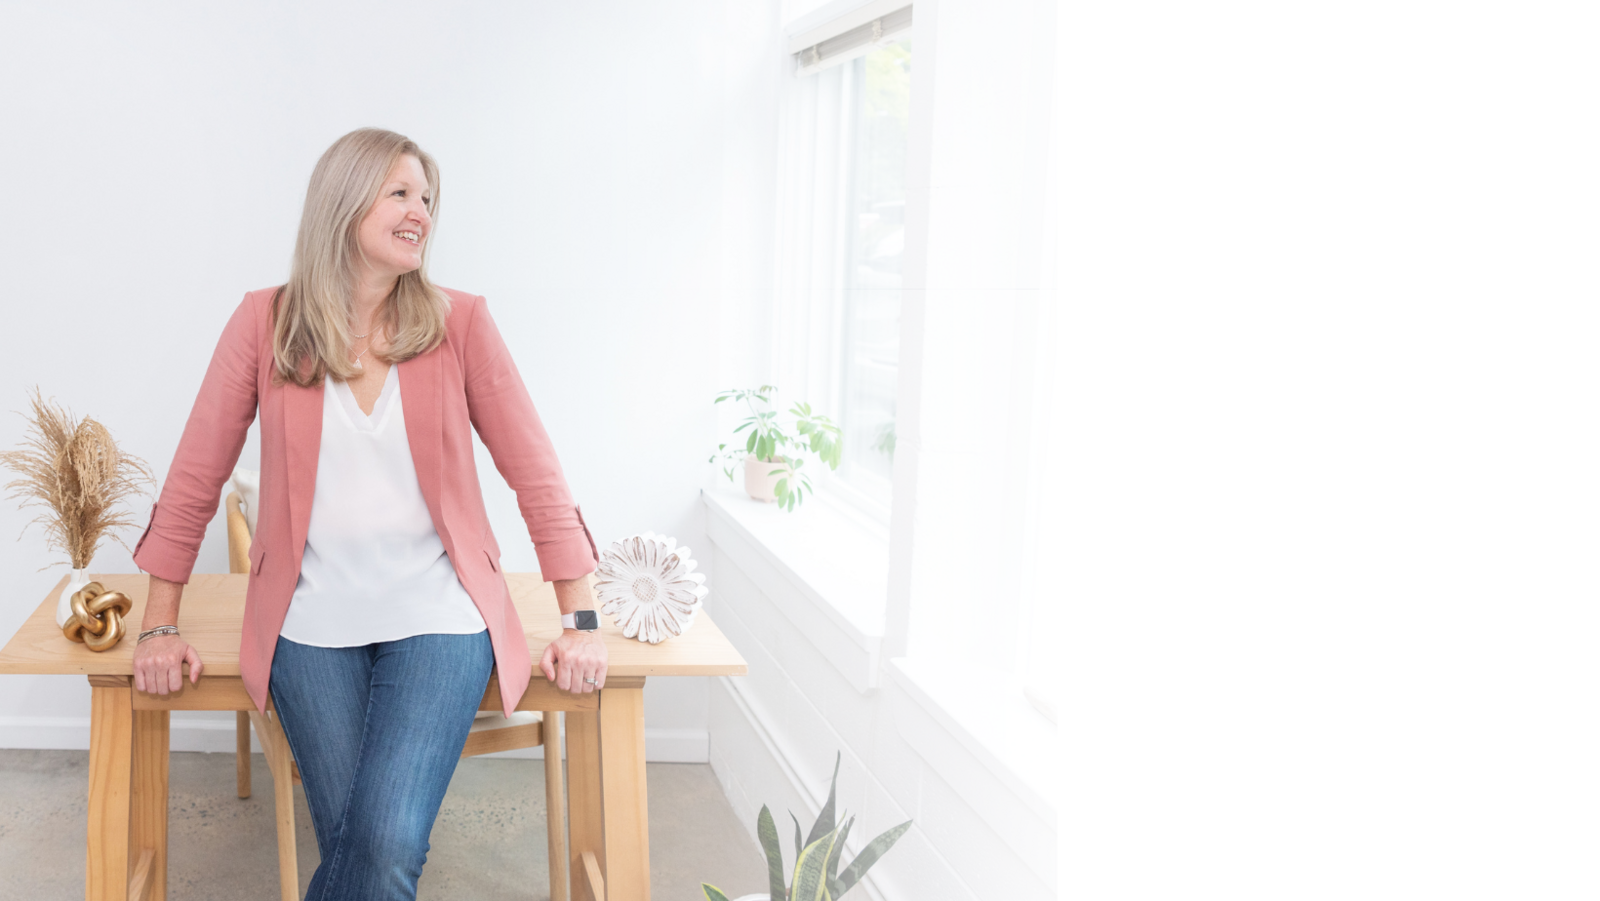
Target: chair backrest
{"x":238,"y":535}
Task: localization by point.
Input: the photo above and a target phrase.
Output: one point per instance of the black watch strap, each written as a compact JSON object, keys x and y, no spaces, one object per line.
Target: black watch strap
{"x":582,"y":620}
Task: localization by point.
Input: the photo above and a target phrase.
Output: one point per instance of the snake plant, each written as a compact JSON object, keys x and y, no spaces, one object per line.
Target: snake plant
{"x":816,"y":875}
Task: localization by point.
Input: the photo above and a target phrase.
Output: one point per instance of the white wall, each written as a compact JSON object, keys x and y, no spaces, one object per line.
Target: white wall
{"x":606,"y":184}
{"x":774,"y":733}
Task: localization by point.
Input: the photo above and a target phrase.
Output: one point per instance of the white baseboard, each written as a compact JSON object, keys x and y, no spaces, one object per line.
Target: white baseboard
{"x":216,"y":735}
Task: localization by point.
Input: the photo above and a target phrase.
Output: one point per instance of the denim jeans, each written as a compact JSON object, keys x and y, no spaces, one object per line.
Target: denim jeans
{"x":377,"y":731}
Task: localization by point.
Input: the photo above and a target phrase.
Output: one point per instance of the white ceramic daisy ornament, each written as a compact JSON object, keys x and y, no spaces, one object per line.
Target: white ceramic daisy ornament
{"x":648,"y":586}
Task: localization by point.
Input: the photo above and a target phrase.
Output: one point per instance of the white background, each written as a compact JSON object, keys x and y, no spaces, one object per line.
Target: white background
{"x":1330,"y":371}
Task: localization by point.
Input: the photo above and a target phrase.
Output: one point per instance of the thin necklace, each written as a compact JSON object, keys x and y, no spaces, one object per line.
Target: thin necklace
{"x":357,"y":363}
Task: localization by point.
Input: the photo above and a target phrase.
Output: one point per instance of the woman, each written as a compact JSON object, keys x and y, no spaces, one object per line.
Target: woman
{"x":376,"y":606}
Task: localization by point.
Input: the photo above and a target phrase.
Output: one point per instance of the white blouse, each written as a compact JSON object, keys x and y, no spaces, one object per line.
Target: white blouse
{"x":374,"y":567}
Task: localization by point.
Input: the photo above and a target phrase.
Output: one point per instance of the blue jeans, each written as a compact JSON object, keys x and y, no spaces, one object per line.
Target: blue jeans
{"x":377,"y":731}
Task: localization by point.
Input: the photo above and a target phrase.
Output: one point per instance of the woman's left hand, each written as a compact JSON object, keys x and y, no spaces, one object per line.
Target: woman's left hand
{"x":575,"y":661}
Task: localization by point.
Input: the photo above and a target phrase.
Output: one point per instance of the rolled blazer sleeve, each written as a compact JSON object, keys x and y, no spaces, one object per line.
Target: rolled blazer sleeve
{"x":206,"y":454}
{"x":503,"y":414}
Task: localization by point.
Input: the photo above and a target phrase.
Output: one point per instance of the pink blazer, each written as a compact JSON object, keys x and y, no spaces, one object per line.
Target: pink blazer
{"x":468,"y":381}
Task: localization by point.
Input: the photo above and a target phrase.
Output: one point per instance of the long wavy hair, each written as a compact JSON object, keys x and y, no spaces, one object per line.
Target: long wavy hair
{"x":313,"y":312}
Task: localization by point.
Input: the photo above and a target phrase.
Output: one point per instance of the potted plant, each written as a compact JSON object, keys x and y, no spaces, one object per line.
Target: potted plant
{"x":73,"y":469}
{"x":816,"y":868}
{"x":768,"y":474}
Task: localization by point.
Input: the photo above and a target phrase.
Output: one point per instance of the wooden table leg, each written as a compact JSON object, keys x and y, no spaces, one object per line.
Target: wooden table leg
{"x":110,"y":787}
{"x":147,"y":831}
{"x":585,"y":812}
{"x":555,"y":796}
{"x":622,"y":778}
{"x":241,"y":751}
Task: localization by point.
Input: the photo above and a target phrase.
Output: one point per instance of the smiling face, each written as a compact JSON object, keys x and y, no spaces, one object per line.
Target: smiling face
{"x":394,"y":231}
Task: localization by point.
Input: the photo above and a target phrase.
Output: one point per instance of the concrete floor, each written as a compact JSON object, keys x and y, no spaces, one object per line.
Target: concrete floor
{"x":488,"y":842}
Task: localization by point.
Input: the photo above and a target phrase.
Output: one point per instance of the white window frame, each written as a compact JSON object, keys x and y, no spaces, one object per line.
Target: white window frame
{"x":815,"y":145}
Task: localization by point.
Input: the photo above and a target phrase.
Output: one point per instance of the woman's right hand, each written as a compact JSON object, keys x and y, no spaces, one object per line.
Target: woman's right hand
{"x":158,"y":664}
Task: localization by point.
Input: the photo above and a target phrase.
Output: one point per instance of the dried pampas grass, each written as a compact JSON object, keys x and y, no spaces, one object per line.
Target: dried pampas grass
{"x":74,"y":470}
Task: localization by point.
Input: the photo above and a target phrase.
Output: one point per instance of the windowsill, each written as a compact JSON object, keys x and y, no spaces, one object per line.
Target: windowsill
{"x":826,"y":569}
{"x":867,"y":509}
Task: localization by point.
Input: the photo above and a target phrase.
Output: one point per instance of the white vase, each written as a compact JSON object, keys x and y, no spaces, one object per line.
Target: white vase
{"x":757,"y":483}
{"x":80,"y":578}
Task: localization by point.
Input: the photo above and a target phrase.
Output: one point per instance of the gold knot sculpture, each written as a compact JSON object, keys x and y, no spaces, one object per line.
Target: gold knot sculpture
{"x":97,"y":617}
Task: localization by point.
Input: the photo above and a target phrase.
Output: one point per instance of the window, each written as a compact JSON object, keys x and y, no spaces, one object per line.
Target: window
{"x":841,"y":233}
{"x":869,"y":333}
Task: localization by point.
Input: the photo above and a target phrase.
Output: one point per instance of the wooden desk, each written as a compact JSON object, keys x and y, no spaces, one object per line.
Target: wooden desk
{"x":128,"y":732}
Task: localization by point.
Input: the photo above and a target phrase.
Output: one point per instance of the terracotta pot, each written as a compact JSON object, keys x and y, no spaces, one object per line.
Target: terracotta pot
{"x":757,"y":483}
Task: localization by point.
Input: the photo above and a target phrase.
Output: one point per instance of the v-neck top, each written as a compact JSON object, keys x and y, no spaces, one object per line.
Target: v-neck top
{"x":374,"y":567}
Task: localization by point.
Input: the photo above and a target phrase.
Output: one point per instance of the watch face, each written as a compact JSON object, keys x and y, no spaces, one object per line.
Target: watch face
{"x":586,"y":620}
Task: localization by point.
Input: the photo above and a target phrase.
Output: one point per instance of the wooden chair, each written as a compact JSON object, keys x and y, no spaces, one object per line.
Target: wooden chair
{"x":491,"y":731}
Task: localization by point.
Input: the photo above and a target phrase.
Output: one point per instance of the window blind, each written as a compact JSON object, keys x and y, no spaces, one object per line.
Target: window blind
{"x":850,"y":36}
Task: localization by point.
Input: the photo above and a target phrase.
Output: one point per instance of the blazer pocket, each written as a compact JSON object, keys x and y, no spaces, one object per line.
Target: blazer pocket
{"x":493,"y":563}
{"x":255,"y":566}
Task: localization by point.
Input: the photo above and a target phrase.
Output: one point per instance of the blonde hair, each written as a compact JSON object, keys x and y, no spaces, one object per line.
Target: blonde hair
{"x":312,"y":313}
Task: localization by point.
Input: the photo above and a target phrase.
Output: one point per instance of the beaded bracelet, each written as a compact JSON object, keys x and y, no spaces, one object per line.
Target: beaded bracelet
{"x":158,"y":630}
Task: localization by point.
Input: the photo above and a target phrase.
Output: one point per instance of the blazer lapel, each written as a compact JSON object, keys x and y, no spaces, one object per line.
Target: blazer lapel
{"x":302,"y":431}
{"x":420,"y":384}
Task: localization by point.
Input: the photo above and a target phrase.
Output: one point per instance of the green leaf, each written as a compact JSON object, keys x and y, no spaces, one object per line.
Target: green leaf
{"x":797,"y":843}
{"x":869,"y":856}
{"x":810,"y":871}
{"x":833,"y":859}
{"x":825,"y":823}
{"x":767,"y":832}
{"x":712,"y":892}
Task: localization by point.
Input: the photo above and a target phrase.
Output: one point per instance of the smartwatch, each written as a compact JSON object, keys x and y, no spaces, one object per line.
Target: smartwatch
{"x":582,"y":620}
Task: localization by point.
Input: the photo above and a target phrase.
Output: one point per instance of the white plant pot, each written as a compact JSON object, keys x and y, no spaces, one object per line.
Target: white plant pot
{"x":80,"y":578}
{"x":757,"y":483}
